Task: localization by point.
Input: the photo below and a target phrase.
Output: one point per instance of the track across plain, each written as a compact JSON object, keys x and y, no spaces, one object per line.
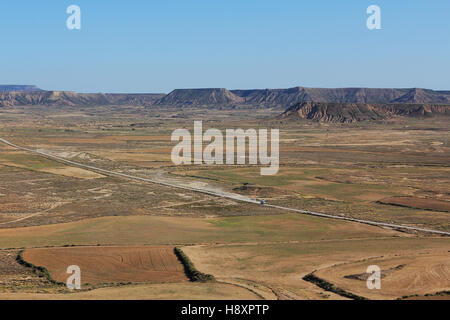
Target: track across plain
{"x":224,"y":195}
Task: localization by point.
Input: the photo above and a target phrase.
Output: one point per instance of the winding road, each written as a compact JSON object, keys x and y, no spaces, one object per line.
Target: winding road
{"x":223,"y":194}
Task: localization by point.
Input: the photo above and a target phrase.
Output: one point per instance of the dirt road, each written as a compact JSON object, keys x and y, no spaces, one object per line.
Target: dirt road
{"x":221,"y":194}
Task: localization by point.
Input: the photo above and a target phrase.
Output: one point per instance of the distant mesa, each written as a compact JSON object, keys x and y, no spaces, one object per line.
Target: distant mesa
{"x":213,"y":96}
{"x":13,"y":87}
{"x":324,"y":104}
{"x":287,"y":97}
{"x":424,"y":96}
{"x":356,"y":112}
{"x":70,"y":98}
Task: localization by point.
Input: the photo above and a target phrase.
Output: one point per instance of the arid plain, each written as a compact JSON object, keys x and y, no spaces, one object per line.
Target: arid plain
{"x":393,"y":171}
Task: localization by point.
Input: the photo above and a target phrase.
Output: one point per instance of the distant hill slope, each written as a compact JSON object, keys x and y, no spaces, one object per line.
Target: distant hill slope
{"x":14,"y":87}
{"x":68,"y":98}
{"x":213,"y":96}
{"x":223,"y":98}
{"x":134,"y":99}
{"x":354,"y":112}
{"x":286,"y":97}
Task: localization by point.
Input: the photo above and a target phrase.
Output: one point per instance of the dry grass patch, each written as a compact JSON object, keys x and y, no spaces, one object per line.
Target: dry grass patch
{"x":419,"y":203}
{"x":165,"y":291}
{"x":421,"y":272}
{"x":281,"y":266}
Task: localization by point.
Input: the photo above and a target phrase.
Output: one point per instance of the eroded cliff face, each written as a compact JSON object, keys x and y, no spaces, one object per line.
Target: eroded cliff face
{"x":214,"y":96}
{"x":287,"y":97}
{"x":68,"y":98}
{"x":223,"y":98}
{"x":18,"y":87}
{"x":353,"y":112}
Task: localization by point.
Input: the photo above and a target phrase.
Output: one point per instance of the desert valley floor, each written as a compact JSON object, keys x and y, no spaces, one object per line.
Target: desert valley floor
{"x":122,"y":232}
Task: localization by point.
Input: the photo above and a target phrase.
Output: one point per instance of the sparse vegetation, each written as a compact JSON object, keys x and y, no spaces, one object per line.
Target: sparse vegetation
{"x":190,"y":269}
{"x":341,"y":169}
{"x":331,"y":287}
{"x":39,"y":270}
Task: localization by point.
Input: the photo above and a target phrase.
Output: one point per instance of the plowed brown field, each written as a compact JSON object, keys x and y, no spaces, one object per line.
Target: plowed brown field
{"x":111,"y":264}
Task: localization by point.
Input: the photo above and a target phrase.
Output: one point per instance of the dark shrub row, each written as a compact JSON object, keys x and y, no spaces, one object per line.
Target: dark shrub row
{"x":331,"y":287}
{"x":189,"y":268}
{"x":40,"y":271}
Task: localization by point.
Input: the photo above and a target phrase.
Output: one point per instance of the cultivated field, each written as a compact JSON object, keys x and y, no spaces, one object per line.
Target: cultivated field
{"x":111,"y":264}
{"x":166,"y":291}
{"x":418,"y":273}
{"x":122,"y":230}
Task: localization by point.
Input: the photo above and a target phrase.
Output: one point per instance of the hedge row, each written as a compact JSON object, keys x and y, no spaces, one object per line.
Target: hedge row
{"x":40,"y":271}
{"x":331,"y":287}
{"x":190,"y":270}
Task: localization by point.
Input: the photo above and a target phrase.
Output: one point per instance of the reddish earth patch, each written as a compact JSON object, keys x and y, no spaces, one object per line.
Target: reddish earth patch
{"x":419,"y":203}
{"x":111,"y":264}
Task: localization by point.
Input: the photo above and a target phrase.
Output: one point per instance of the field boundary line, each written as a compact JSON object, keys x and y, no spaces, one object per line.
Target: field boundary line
{"x":242,"y":287}
{"x":191,"y":271}
{"x":328,"y":286}
{"x":38,"y":270}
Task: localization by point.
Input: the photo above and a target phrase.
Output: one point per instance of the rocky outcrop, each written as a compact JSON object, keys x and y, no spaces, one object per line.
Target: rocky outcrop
{"x":223,"y":98}
{"x":286,"y":97}
{"x":354,"y":112}
{"x":200,"y":97}
{"x":68,"y":98}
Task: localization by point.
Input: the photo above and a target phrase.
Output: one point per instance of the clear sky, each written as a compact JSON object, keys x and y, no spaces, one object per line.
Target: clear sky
{"x":157,"y":46}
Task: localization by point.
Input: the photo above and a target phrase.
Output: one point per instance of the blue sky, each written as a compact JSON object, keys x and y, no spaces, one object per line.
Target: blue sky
{"x":156,"y":46}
